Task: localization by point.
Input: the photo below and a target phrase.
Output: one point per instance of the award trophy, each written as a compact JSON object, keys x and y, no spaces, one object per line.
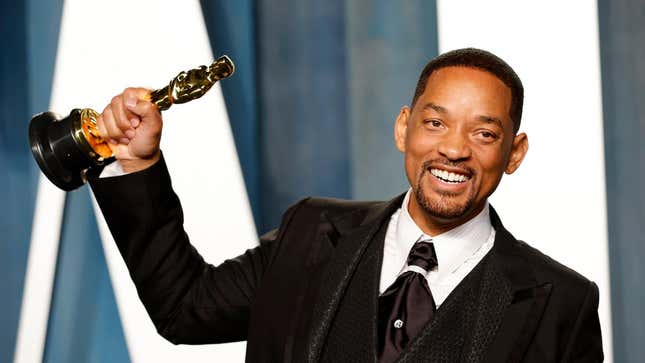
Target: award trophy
{"x":68,"y":149}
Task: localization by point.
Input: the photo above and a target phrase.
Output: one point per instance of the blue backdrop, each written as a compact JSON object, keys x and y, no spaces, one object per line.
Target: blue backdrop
{"x":311,"y":109}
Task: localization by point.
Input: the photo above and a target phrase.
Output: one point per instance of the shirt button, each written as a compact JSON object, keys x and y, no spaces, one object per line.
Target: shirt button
{"x":398,"y":323}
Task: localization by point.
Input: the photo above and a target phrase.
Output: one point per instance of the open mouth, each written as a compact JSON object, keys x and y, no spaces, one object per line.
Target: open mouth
{"x":449,"y":177}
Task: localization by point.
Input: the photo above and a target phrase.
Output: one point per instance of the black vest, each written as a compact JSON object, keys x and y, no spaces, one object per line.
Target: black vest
{"x":459,"y":332}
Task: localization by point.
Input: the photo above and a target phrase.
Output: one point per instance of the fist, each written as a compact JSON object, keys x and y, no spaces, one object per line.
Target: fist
{"x":132,"y":126}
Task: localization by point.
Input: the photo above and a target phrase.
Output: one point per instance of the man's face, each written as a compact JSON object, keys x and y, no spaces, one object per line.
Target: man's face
{"x":458,"y":140}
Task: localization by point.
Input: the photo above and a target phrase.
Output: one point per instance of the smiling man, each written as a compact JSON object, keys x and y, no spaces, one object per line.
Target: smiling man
{"x":429,"y":276}
{"x":460,"y":137}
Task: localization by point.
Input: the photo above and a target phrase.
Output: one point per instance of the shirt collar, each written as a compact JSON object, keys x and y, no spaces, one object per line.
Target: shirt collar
{"x":453,"y":247}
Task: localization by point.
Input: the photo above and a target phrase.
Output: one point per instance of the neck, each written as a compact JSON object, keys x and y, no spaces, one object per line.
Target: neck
{"x":433,"y":225}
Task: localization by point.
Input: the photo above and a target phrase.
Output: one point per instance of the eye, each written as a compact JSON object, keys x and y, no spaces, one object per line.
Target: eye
{"x":433,"y":123}
{"x":487,"y":135}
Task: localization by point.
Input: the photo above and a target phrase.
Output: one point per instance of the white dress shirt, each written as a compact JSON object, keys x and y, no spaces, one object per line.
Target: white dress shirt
{"x":458,"y":250}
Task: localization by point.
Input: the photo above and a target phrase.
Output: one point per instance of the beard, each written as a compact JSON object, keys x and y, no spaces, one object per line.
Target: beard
{"x":446,"y":206}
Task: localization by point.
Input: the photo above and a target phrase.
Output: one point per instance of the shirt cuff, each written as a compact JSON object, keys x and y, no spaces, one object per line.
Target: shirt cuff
{"x":111,"y":170}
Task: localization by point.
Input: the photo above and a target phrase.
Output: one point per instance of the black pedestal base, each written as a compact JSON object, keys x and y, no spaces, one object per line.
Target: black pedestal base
{"x":60,"y":156}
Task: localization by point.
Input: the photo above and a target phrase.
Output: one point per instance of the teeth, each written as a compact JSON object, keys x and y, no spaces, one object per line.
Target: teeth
{"x":447,"y":176}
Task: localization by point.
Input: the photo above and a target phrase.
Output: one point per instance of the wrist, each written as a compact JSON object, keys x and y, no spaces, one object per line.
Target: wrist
{"x":135,"y":165}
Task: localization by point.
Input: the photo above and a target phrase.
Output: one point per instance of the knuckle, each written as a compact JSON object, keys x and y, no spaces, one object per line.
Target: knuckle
{"x":116,"y":133}
{"x":111,"y":128}
{"x":100,"y":124}
{"x":145,"y":106}
{"x":106,"y":116}
{"x":120,"y":122}
{"x":121,"y":125}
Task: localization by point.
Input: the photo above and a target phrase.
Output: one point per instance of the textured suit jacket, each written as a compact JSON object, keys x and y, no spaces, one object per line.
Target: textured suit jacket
{"x":309,"y":291}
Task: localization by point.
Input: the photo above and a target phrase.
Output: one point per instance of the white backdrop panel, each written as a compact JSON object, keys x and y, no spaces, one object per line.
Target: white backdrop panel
{"x":107,"y":46}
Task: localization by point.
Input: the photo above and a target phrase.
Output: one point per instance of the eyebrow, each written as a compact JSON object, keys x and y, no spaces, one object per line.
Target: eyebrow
{"x":435,"y":107}
{"x":490,"y":120}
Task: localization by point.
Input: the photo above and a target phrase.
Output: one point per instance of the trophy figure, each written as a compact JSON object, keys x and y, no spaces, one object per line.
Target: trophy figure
{"x":68,"y":149}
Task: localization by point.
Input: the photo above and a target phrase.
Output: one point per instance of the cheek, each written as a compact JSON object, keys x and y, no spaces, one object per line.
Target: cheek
{"x":418,"y":142}
{"x":493,"y":167}
{"x":411,"y":168}
{"x":418,"y":149}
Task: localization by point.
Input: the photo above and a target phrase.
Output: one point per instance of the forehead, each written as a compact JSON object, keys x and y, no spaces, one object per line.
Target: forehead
{"x":467,"y":87}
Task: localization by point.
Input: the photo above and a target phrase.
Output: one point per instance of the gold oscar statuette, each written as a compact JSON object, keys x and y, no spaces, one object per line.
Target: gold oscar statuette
{"x":68,"y":149}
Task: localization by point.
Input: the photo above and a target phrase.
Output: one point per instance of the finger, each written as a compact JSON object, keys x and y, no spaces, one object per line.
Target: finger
{"x":102,"y":130}
{"x":149,"y":114}
{"x":131,"y":96}
{"x":111,"y":130}
{"x":137,"y":93}
{"x":122,"y":116}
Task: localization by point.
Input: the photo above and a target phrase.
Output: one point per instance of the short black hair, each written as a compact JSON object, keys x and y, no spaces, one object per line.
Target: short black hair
{"x":485,"y":61}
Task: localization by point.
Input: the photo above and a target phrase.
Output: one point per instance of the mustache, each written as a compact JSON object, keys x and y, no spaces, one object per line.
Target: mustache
{"x":438,"y":162}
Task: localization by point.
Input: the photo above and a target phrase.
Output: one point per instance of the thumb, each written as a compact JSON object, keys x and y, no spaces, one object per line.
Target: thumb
{"x":132,"y":96}
{"x":137,"y":101}
{"x":143,"y":108}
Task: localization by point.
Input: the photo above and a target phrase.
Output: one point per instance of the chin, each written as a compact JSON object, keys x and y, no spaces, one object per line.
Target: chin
{"x":443,"y":207}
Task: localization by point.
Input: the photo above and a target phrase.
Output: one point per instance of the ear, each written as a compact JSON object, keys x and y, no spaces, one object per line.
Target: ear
{"x":401,"y":128}
{"x":518,"y":151}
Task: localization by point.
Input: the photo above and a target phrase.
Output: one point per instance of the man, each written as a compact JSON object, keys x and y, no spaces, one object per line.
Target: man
{"x":431,"y":275}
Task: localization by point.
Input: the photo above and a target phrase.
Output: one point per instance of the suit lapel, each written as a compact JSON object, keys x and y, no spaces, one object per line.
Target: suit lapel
{"x":528,"y":297}
{"x":351,"y":236}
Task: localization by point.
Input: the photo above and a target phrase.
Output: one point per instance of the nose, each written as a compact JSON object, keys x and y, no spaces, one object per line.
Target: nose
{"x":454,"y":146}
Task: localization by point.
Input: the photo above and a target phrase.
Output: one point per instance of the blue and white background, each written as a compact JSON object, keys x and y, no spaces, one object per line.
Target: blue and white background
{"x":309,"y":111}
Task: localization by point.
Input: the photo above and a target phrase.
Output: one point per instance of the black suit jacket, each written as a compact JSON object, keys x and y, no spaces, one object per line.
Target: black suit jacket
{"x":309,"y":291}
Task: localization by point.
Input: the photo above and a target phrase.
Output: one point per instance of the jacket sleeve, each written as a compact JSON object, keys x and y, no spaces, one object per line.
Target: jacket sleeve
{"x":188,"y":300}
{"x":585,"y":344}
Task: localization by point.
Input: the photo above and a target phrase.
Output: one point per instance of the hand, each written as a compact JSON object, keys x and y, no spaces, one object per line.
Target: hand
{"x":132,"y":126}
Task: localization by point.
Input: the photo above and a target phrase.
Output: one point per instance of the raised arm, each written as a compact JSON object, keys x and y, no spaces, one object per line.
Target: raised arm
{"x":188,"y":300}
